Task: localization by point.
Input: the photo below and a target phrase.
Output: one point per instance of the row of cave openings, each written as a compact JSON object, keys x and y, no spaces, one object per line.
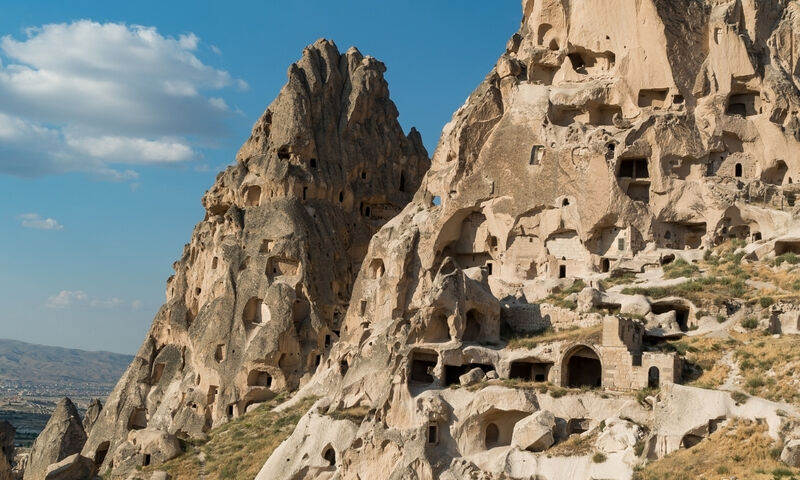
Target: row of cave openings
{"x":580,"y":367}
{"x":253,"y":194}
{"x":497,"y":429}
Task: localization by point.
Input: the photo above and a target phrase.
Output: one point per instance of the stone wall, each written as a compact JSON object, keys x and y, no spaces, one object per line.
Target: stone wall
{"x":528,"y":317}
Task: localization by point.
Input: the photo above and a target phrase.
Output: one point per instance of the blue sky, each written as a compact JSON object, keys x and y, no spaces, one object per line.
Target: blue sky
{"x":116,"y":116}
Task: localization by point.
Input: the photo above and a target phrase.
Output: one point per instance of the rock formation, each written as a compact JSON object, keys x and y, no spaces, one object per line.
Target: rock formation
{"x":62,"y":436}
{"x":92,"y":414}
{"x":7,"y":433}
{"x":258,"y":297}
{"x":74,"y":467}
{"x":611,"y":138}
{"x":5,"y":470}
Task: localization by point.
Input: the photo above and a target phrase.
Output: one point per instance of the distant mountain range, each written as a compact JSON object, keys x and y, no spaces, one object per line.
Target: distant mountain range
{"x":24,"y":362}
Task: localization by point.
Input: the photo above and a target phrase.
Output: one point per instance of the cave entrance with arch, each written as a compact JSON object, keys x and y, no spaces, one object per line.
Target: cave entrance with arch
{"x":581,"y":367}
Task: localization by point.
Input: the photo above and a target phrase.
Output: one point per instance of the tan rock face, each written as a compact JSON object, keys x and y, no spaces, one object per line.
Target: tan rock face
{"x":92,"y":413}
{"x":5,"y":469}
{"x":534,"y":433}
{"x":62,"y":436}
{"x":790,"y":455}
{"x":612,"y":135}
{"x":74,"y":467}
{"x":7,"y":433}
{"x":260,"y":292}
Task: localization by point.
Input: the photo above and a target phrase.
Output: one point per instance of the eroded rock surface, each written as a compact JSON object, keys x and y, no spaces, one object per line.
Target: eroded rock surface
{"x":611,"y":138}
{"x":258,"y":297}
{"x":62,"y":437}
{"x":92,"y":414}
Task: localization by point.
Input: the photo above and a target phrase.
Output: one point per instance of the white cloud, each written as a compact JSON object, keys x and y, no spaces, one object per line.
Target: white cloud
{"x":34,"y":220}
{"x":79,"y":298}
{"x":92,"y":97}
{"x":66,"y":298}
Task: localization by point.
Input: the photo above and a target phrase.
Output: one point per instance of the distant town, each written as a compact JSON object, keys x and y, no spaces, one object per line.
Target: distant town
{"x":28,"y":405}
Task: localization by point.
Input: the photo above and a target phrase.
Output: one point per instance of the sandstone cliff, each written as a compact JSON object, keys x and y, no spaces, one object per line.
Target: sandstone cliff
{"x":611,"y":138}
{"x":259,"y":295}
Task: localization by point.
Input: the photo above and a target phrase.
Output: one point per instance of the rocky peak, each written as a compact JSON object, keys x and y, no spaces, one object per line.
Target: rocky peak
{"x":259,"y":295}
{"x":62,"y":436}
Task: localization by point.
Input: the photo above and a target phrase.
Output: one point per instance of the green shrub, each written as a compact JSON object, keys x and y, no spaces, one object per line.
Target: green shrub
{"x":599,"y":458}
{"x":680,"y":268}
{"x":766,"y":301}
{"x":782,"y":472}
{"x":558,"y":392}
{"x":721,"y":318}
{"x":750,"y":323}
{"x":789,"y":257}
{"x":740,"y":398}
{"x":722,"y":470}
{"x":755,"y":382}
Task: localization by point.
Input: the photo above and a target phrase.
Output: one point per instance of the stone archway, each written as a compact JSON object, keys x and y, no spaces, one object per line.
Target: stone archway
{"x":581,"y":367}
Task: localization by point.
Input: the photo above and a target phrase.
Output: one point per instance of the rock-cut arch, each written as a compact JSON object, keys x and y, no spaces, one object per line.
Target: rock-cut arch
{"x":581,"y":367}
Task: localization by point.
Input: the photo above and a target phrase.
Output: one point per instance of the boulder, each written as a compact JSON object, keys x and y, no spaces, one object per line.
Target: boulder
{"x":791,"y":453}
{"x":618,"y":435}
{"x":74,"y":467}
{"x":62,"y":436}
{"x":534,"y":432}
{"x":472,"y":377}
{"x":145,"y":448}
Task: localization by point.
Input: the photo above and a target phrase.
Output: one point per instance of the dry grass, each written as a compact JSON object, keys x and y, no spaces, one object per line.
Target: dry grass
{"x":724,"y":278}
{"x":575,"y":445}
{"x":588,"y":335}
{"x":558,"y":298}
{"x":238,"y":450}
{"x":622,"y":279}
{"x":741,"y":450}
{"x":704,"y":355}
{"x":770,"y":366}
{"x":355,"y":414}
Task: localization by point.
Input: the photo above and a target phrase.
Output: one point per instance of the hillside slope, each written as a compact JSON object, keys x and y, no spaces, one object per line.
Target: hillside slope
{"x":22,"y":362}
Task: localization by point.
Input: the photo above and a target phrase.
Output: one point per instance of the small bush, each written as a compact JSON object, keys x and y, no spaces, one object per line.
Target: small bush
{"x":782,"y":472}
{"x":750,"y":323}
{"x":766,"y":301}
{"x":558,"y":392}
{"x":680,"y":268}
{"x":721,"y":318}
{"x":641,"y":395}
{"x":755,"y":382}
{"x":599,"y":458}
{"x":722,"y":470}
{"x":789,"y":257}
{"x":740,"y":397}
